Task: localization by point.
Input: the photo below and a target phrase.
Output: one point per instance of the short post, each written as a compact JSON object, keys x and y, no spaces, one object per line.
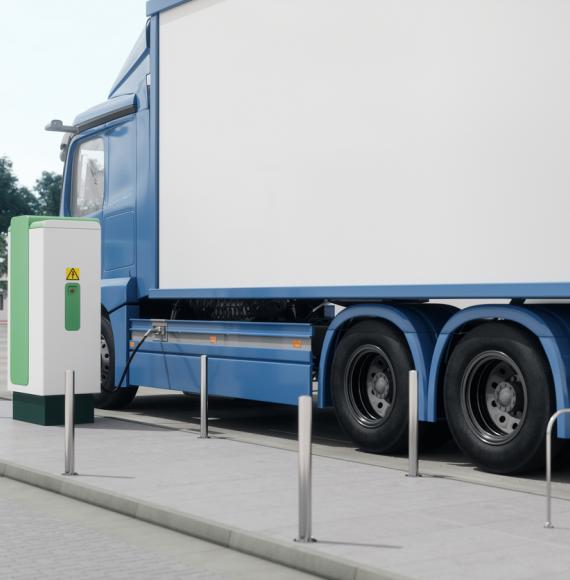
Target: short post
{"x":69,"y":422}
{"x":305,"y":468}
{"x":549,"y":429}
{"x":413,"y":425}
{"x":203,"y":397}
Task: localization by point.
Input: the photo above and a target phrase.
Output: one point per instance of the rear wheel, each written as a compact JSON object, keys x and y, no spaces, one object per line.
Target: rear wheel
{"x":498,"y":398}
{"x":370,"y":386}
{"x":110,"y":396}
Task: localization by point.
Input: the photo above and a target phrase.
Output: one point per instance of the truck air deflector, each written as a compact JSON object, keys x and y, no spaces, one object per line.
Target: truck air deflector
{"x":110,"y":110}
{"x":136,"y":56}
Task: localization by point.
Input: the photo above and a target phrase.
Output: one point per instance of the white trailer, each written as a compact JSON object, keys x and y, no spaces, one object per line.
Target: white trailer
{"x":366,"y":143}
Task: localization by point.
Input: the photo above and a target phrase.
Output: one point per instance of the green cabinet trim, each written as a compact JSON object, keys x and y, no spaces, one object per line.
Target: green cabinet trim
{"x":72,"y":306}
{"x":50,"y":410}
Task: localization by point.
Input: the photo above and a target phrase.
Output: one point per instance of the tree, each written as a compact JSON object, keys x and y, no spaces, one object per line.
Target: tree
{"x":14,"y":200}
{"x":48,"y":191}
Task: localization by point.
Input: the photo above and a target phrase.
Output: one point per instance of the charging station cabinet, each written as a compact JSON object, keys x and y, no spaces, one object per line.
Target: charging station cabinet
{"x":54,"y":278}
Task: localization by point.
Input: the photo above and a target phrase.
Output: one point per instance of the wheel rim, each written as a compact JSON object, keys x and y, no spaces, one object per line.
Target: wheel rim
{"x":494,"y":397}
{"x":105,"y":364}
{"x":370,"y":385}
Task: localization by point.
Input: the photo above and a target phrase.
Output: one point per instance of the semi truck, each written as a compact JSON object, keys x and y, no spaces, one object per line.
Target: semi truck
{"x":322,"y":195}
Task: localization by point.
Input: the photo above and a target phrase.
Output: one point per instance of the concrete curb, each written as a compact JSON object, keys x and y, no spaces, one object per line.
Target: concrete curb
{"x":292,"y":555}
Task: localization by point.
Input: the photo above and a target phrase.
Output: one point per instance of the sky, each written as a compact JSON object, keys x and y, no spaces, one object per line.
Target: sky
{"x":58,"y":58}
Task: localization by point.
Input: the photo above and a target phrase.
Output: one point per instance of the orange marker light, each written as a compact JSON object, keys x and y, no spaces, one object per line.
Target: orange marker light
{"x":132,"y":344}
{"x":296,"y":343}
{"x":213,"y":339}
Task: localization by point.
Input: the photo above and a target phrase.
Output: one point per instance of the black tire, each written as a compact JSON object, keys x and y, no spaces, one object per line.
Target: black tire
{"x":432,"y":436}
{"x":369,"y":384}
{"x":110,"y":397}
{"x":498,"y":397}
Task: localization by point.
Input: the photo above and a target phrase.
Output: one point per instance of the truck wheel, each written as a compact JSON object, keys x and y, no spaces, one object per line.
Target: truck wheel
{"x":370,"y":386}
{"x":111,"y":397}
{"x":498,"y":398}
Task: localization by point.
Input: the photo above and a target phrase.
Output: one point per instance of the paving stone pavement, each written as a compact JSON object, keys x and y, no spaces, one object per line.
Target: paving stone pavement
{"x":423,"y":528}
{"x":427,"y":528}
{"x":52,"y":537}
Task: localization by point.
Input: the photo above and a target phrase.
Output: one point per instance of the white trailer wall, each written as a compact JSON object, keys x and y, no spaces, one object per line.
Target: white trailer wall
{"x":352,"y":142}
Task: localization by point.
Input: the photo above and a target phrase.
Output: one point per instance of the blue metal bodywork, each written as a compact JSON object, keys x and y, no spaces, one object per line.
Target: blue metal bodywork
{"x":276,"y":372}
{"x":386,"y":292}
{"x":120,"y":320}
{"x":156,"y":6}
{"x":128,"y":233}
{"x":117,"y":292}
{"x":148,"y":210}
{"x":129,"y":221}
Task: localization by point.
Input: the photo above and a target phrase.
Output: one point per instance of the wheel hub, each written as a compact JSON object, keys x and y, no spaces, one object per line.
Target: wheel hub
{"x":494,"y":397}
{"x":506,"y":396}
{"x":380,"y":385}
{"x":370,"y":385}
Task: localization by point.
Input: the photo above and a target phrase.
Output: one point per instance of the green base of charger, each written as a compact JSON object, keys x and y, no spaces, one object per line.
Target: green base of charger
{"x":50,"y":410}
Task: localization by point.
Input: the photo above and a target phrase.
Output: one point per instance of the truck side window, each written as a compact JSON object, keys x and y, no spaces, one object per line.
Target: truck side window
{"x":88,"y":178}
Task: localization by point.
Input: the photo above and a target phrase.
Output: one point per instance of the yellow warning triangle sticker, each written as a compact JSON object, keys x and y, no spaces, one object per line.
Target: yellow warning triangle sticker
{"x":72,"y":274}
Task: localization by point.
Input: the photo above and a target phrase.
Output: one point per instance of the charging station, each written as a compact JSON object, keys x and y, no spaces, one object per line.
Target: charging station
{"x":54,"y":318}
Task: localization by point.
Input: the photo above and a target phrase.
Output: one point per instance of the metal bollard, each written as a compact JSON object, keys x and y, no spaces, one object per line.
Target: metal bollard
{"x":549,"y":428}
{"x":305,"y":469}
{"x":413,"y":425}
{"x":203,"y":397}
{"x":69,"y":423}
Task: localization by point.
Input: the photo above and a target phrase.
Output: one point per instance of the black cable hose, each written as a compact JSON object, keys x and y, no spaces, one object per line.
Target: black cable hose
{"x":150,"y":331}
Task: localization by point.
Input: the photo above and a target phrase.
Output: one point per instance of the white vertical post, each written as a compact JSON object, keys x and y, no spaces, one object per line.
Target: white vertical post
{"x":549,"y":429}
{"x":203,"y":397}
{"x":69,"y":422}
{"x":413,"y":425}
{"x":305,"y":468}
{"x":548,"y":523}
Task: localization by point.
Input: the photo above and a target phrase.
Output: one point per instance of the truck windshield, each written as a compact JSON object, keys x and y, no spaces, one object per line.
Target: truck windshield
{"x":88,"y":178}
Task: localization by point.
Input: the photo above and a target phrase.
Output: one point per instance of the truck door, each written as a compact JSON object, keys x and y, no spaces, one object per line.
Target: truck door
{"x":118,"y":210}
{"x":104,"y":187}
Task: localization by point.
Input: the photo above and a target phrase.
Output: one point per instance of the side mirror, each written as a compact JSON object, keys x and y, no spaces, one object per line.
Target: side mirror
{"x":58,"y":126}
{"x":64,"y":145}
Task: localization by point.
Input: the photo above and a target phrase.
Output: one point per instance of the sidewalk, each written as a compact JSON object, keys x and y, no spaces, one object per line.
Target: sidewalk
{"x":421,"y":528}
